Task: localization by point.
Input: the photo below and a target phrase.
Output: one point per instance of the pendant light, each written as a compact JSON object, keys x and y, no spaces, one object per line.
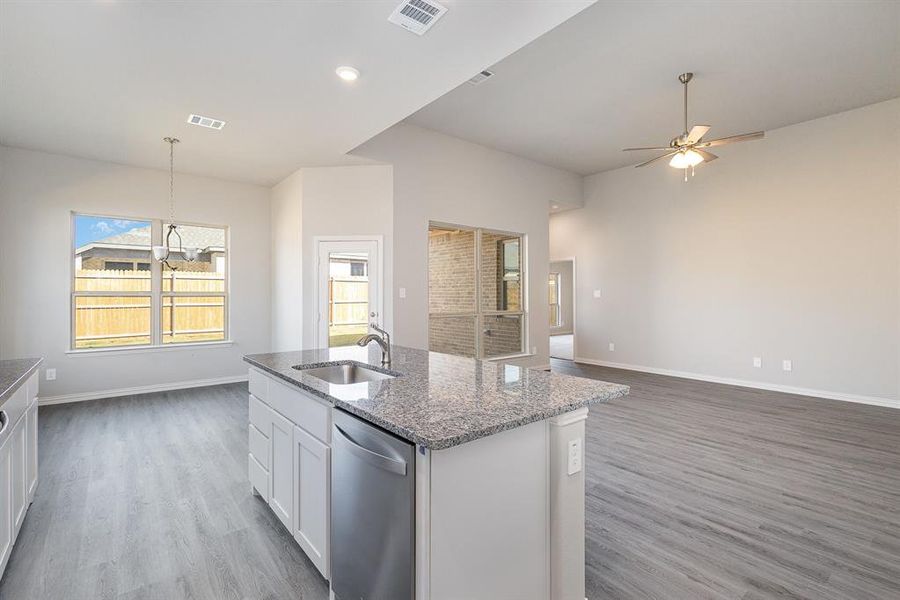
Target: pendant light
{"x":162,"y":253}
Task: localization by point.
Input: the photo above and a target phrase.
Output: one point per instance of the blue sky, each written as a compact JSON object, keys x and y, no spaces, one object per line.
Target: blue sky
{"x":91,"y":229}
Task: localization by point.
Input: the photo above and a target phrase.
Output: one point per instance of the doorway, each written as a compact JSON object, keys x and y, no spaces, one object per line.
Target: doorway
{"x":349,"y":290}
{"x":561,"y":296}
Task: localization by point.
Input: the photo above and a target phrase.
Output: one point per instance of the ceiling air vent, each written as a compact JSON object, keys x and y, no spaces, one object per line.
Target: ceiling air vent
{"x":481,"y":77}
{"x":417,"y":16}
{"x":206,"y":122}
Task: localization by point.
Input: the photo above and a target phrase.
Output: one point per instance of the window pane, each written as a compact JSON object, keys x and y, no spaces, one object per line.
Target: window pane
{"x":451,"y":270}
{"x":452,"y":335}
{"x":554,"y":315}
{"x":502,"y":334}
{"x":348,"y":298}
{"x":192,"y":319}
{"x":554,"y":288}
{"x":500,"y":272}
{"x":104,"y":321}
{"x":207,"y":272}
{"x":110,"y":254}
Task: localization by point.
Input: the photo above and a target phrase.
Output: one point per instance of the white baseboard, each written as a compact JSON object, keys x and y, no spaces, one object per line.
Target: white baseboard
{"x":760,"y":385}
{"x":141,"y":389}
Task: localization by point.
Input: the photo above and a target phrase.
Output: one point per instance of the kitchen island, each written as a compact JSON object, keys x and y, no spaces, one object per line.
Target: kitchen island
{"x":496,"y":470}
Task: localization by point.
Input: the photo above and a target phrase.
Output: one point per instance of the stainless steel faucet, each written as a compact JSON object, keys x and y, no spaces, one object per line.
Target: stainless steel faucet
{"x":384,"y":342}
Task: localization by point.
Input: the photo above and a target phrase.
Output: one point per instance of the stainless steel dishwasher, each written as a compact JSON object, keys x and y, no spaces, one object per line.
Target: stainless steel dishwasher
{"x":372,"y":512}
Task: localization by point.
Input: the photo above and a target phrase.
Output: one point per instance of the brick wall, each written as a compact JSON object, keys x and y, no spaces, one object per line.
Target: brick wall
{"x":451,"y":288}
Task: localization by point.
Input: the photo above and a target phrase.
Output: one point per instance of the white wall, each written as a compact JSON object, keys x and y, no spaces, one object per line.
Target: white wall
{"x":442,"y":178}
{"x":785,"y":248}
{"x":566,"y":306}
{"x":38,"y":191}
{"x":287,"y":263}
{"x":339,"y":201}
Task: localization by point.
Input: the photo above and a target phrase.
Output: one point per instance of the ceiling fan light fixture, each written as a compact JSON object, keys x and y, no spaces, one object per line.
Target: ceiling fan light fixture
{"x":686,"y":159}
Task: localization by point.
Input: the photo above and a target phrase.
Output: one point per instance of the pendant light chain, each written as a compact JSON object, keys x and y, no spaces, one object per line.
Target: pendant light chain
{"x":172,"y":141}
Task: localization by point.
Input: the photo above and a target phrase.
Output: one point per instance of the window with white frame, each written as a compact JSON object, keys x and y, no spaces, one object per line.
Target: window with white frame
{"x":555,"y":315}
{"x":475,"y":291}
{"x":121,"y":297}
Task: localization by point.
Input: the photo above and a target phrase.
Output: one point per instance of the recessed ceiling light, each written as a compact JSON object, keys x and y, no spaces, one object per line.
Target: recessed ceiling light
{"x":347,"y":73}
{"x":554,"y":206}
{"x":209,"y":122}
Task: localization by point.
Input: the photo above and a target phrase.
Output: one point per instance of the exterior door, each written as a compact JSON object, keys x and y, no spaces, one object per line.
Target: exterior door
{"x":349,"y":290}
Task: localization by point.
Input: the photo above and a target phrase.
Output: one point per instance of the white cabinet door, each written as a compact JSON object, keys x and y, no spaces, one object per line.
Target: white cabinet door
{"x":6,"y":520}
{"x":311,"y":510}
{"x":17,"y":449}
{"x":31,"y":451}
{"x":281,"y":468}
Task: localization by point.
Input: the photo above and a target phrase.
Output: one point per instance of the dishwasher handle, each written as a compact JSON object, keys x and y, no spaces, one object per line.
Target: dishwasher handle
{"x":373,"y":458}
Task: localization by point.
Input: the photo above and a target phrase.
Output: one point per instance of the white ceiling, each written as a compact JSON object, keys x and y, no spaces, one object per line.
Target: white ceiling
{"x":606,"y":79}
{"x":107,"y":79}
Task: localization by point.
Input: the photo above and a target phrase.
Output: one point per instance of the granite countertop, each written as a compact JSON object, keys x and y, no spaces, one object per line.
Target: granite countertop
{"x":13,"y":374}
{"x":440,"y":400}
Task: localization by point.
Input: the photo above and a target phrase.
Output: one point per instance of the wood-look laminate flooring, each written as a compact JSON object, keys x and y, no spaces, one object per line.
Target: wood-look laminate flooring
{"x":705,"y":491}
{"x":694,"y":491}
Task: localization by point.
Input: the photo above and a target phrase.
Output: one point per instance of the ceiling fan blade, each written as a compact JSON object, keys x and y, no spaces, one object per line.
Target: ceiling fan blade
{"x":647,"y":148}
{"x":653,"y":160}
{"x":734,"y":138}
{"x":696,"y":133}
{"x":707,"y":156}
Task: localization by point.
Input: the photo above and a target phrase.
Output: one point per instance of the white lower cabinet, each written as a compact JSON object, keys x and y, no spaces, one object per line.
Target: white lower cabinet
{"x":312,"y":474}
{"x":281,"y":468}
{"x":289,"y":463}
{"x":6,"y":508}
{"x":31,"y":451}
{"x":18,"y":463}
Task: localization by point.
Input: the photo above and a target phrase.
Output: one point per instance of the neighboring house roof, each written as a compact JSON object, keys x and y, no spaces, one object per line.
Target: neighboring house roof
{"x":205,"y":238}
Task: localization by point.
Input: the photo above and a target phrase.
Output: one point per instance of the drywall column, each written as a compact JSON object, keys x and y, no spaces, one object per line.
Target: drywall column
{"x":567,"y":507}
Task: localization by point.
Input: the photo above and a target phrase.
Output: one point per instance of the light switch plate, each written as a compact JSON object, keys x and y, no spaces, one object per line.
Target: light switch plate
{"x":403,"y":292}
{"x":574,"y":456}
{"x":757,"y":362}
{"x":787,"y":365}
{"x":51,"y":374}
{"x":597,"y":293}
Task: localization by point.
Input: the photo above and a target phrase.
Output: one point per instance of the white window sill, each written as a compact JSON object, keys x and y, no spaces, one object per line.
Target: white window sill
{"x":510,"y":357}
{"x":145,"y":349}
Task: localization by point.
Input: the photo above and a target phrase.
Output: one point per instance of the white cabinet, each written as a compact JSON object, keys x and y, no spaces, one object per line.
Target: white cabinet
{"x":311,"y":497}
{"x":6,"y":513}
{"x":281,"y":468}
{"x":19,"y":490}
{"x":289,"y":462}
{"x":31,"y":450}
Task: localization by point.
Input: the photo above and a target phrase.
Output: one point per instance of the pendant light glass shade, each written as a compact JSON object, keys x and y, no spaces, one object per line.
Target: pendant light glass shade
{"x":191,"y":254}
{"x":685,"y":159}
{"x":160,"y":252}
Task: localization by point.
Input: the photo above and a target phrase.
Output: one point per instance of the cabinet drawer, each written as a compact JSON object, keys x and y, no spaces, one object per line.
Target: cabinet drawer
{"x":259,"y":384}
{"x":259,"y":415}
{"x":259,"y":477}
{"x":309,"y":413}
{"x":259,"y":446}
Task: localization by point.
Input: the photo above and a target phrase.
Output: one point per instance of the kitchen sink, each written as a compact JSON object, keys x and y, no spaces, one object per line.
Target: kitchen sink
{"x":345,"y":373}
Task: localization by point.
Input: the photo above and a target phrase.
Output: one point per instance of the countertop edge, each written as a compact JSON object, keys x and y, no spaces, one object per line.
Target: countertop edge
{"x":440,"y":443}
{"x":5,"y":394}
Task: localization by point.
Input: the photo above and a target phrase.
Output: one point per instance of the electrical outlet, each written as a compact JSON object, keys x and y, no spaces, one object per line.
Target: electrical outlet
{"x":787,"y":365}
{"x":534,"y":349}
{"x":51,"y":374}
{"x":757,"y":362}
{"x":574,"y":456}
{"x":403,"y":292}
{"x":597,"y":293}
{"x":612,"y":347}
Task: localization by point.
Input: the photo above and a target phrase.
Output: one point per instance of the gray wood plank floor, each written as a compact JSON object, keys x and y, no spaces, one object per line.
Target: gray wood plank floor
{"x":694,"y":491}
{"x":699,"y":490}
{"x":147,"y":497}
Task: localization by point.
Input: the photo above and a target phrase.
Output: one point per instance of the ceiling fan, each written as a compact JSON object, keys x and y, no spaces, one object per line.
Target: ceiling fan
{"x":688,"y":149}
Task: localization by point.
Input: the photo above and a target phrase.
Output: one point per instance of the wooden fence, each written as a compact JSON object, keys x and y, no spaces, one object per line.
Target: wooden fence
{"x":115,"y":319}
